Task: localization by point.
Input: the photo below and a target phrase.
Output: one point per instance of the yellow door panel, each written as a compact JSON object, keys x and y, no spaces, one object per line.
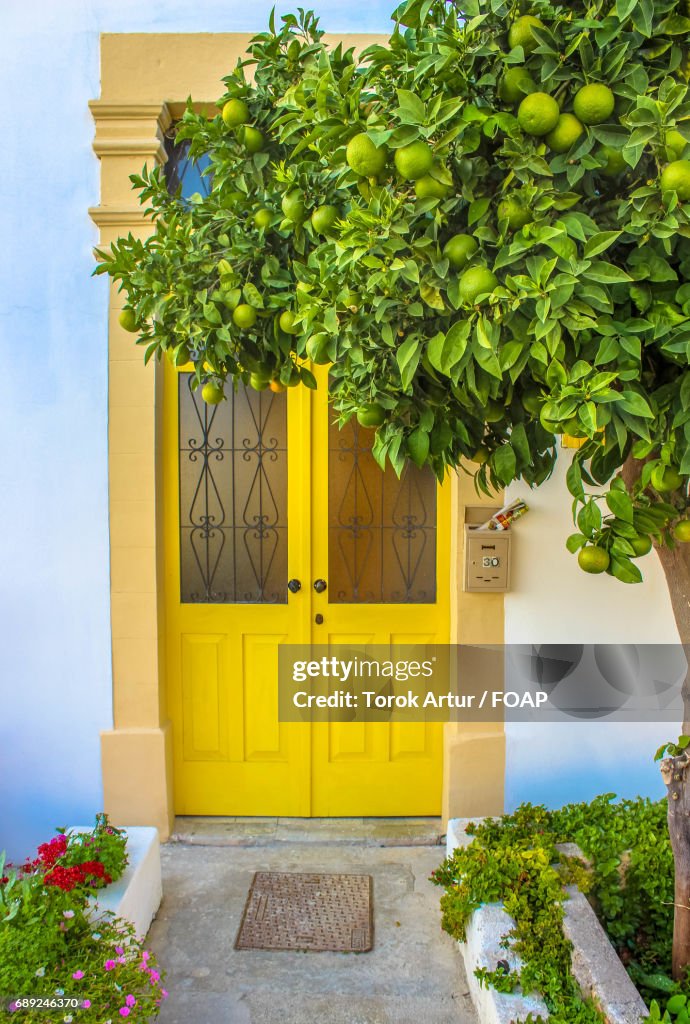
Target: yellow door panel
{"x":385,"y":559}
{"x":230,"y":494}
{"x":257,"y":493}
{"x":204,"y":700}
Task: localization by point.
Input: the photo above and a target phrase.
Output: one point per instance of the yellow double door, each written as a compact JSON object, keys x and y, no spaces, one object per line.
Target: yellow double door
{"x":281,"y":529}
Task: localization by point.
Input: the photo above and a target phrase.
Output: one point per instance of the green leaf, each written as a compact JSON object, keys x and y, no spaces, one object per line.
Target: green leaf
{"x":432,"y":296}
{"x":573,"y":479}
{"x":407,"y":358}
{"x":635,"y":404}
{"x":621,"y":505}
{"x":625,"y":570}
{"x":504,"y":463}
{"x":412,"y":109}
{"x":606,"y":273}
{"x":253,"y":296}
{"x":599,"y":241}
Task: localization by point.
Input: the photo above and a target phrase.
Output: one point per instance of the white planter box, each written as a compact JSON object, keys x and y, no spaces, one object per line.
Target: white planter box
{"x":595,"y":964}
{"x":136,"y":896}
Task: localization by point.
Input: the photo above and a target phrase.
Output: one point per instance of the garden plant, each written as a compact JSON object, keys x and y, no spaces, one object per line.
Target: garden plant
{"x":482,"y":226}
{"x":627,"y":874}
{"x":61,"y":961}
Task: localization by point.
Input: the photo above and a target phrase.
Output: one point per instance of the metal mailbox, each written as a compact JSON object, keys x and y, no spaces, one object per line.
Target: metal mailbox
{"x":487,"y":553}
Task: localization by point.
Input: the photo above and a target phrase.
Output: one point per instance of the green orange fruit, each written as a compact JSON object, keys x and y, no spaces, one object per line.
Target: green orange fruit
{"x":538,"y":114}
{"x":252,"y":139}
{"x":593,"y":559}
{"x":212,"y":394}
{"x":262,"y":218}
{"x":371,"y":415}
{"x":235,"y":112}
{"x":364,"y":157}
{"x":594,"y":103}
{"x":414,"y":161}
{"x":323,"y":218}
{"x":515,"y":212}
{"x":675,"y":177}
{"x":675,"y":144}
{"x":481,"y":455}
{"x":670,"y":480}
{"x":642,"y":544}
{"x":428,"y":187}
{"x":615,"y":161}
{"x":532,"y":401}
{"x":244,"y":316}
{"x":521,"y":34}
{"x":418,"y":443}
{"x":293,"y":206}
{"x":566,"y":133}
{"x":474,"y":282}
{"x":459,"y":250}
{"x":287,"y":322}
{"x":128,"y":320}
{"x":515,"y":85}
{"x":681,"y":531}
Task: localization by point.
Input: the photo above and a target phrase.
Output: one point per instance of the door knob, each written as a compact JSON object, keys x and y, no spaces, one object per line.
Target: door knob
{"x":318,"y":619}
{"x":294,"y":586}
{"x":320,"y":586}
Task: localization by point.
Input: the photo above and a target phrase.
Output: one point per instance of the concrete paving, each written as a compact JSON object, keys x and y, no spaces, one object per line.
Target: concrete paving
{"x":414,"y":974}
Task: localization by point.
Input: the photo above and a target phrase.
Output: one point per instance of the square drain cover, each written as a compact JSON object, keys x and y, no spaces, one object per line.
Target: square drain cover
{"x":310,"y":913}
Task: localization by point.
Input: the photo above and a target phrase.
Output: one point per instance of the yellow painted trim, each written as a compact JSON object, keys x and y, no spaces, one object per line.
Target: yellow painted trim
{"x":145,"y":81}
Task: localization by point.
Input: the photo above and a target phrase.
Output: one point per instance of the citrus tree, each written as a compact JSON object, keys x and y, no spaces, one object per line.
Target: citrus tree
{"x":482,"y":226}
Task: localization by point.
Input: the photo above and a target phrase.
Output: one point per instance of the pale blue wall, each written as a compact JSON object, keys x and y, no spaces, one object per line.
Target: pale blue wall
{"x":55,"y":676}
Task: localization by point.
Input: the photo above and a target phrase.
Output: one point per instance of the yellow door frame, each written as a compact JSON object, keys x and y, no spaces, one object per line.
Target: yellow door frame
{"x":145,"y":79}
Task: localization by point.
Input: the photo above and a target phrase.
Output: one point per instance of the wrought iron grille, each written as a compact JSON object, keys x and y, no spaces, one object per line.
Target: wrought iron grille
{"x":381,"y":530}
{"x":233,"y":497}
{"x":180,"y":169}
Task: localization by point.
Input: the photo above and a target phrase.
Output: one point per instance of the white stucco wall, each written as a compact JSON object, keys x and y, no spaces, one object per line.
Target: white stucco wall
{"x":553,"y":601}
{"x":55,"y":658}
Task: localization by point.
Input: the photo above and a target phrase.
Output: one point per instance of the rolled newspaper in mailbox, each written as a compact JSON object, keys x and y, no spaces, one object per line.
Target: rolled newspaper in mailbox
{"x":503,"y":519}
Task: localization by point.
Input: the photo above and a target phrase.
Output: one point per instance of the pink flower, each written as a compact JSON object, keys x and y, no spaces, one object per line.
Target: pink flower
{"x":164,"y":994}
{"x":131,"y":1001}
{"x":68,"y":913}
{"x":109,"y":965}
{"x":124,"y":1011}
{"x":155,"y":976}
{"x":86,"y":1003}
{"x":145,"y":955}
{"x":119,"y":950}
{"x":78,"y":975}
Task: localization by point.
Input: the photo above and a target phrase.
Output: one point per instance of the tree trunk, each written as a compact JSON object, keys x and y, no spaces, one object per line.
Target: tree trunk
{"x":674,"y":770}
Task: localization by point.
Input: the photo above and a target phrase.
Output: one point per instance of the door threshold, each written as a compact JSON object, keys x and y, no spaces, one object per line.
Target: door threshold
{"x":266,"y":831}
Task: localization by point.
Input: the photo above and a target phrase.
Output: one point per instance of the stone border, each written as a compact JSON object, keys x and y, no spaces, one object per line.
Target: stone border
{"x":595,"y":964}
{"x":137,"y":895}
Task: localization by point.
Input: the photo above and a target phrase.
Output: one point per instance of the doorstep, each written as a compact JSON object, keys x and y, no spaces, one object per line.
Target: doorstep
{"x":136,"y":895}
{"x":209,"y":831}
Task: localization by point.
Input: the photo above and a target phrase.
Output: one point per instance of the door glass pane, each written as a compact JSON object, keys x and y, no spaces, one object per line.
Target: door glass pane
{"x":381,"y":530}
{"x":233,"y":496}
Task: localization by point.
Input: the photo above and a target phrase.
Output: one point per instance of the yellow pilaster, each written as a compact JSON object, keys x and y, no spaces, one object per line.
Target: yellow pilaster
{"x":136,"y":752}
